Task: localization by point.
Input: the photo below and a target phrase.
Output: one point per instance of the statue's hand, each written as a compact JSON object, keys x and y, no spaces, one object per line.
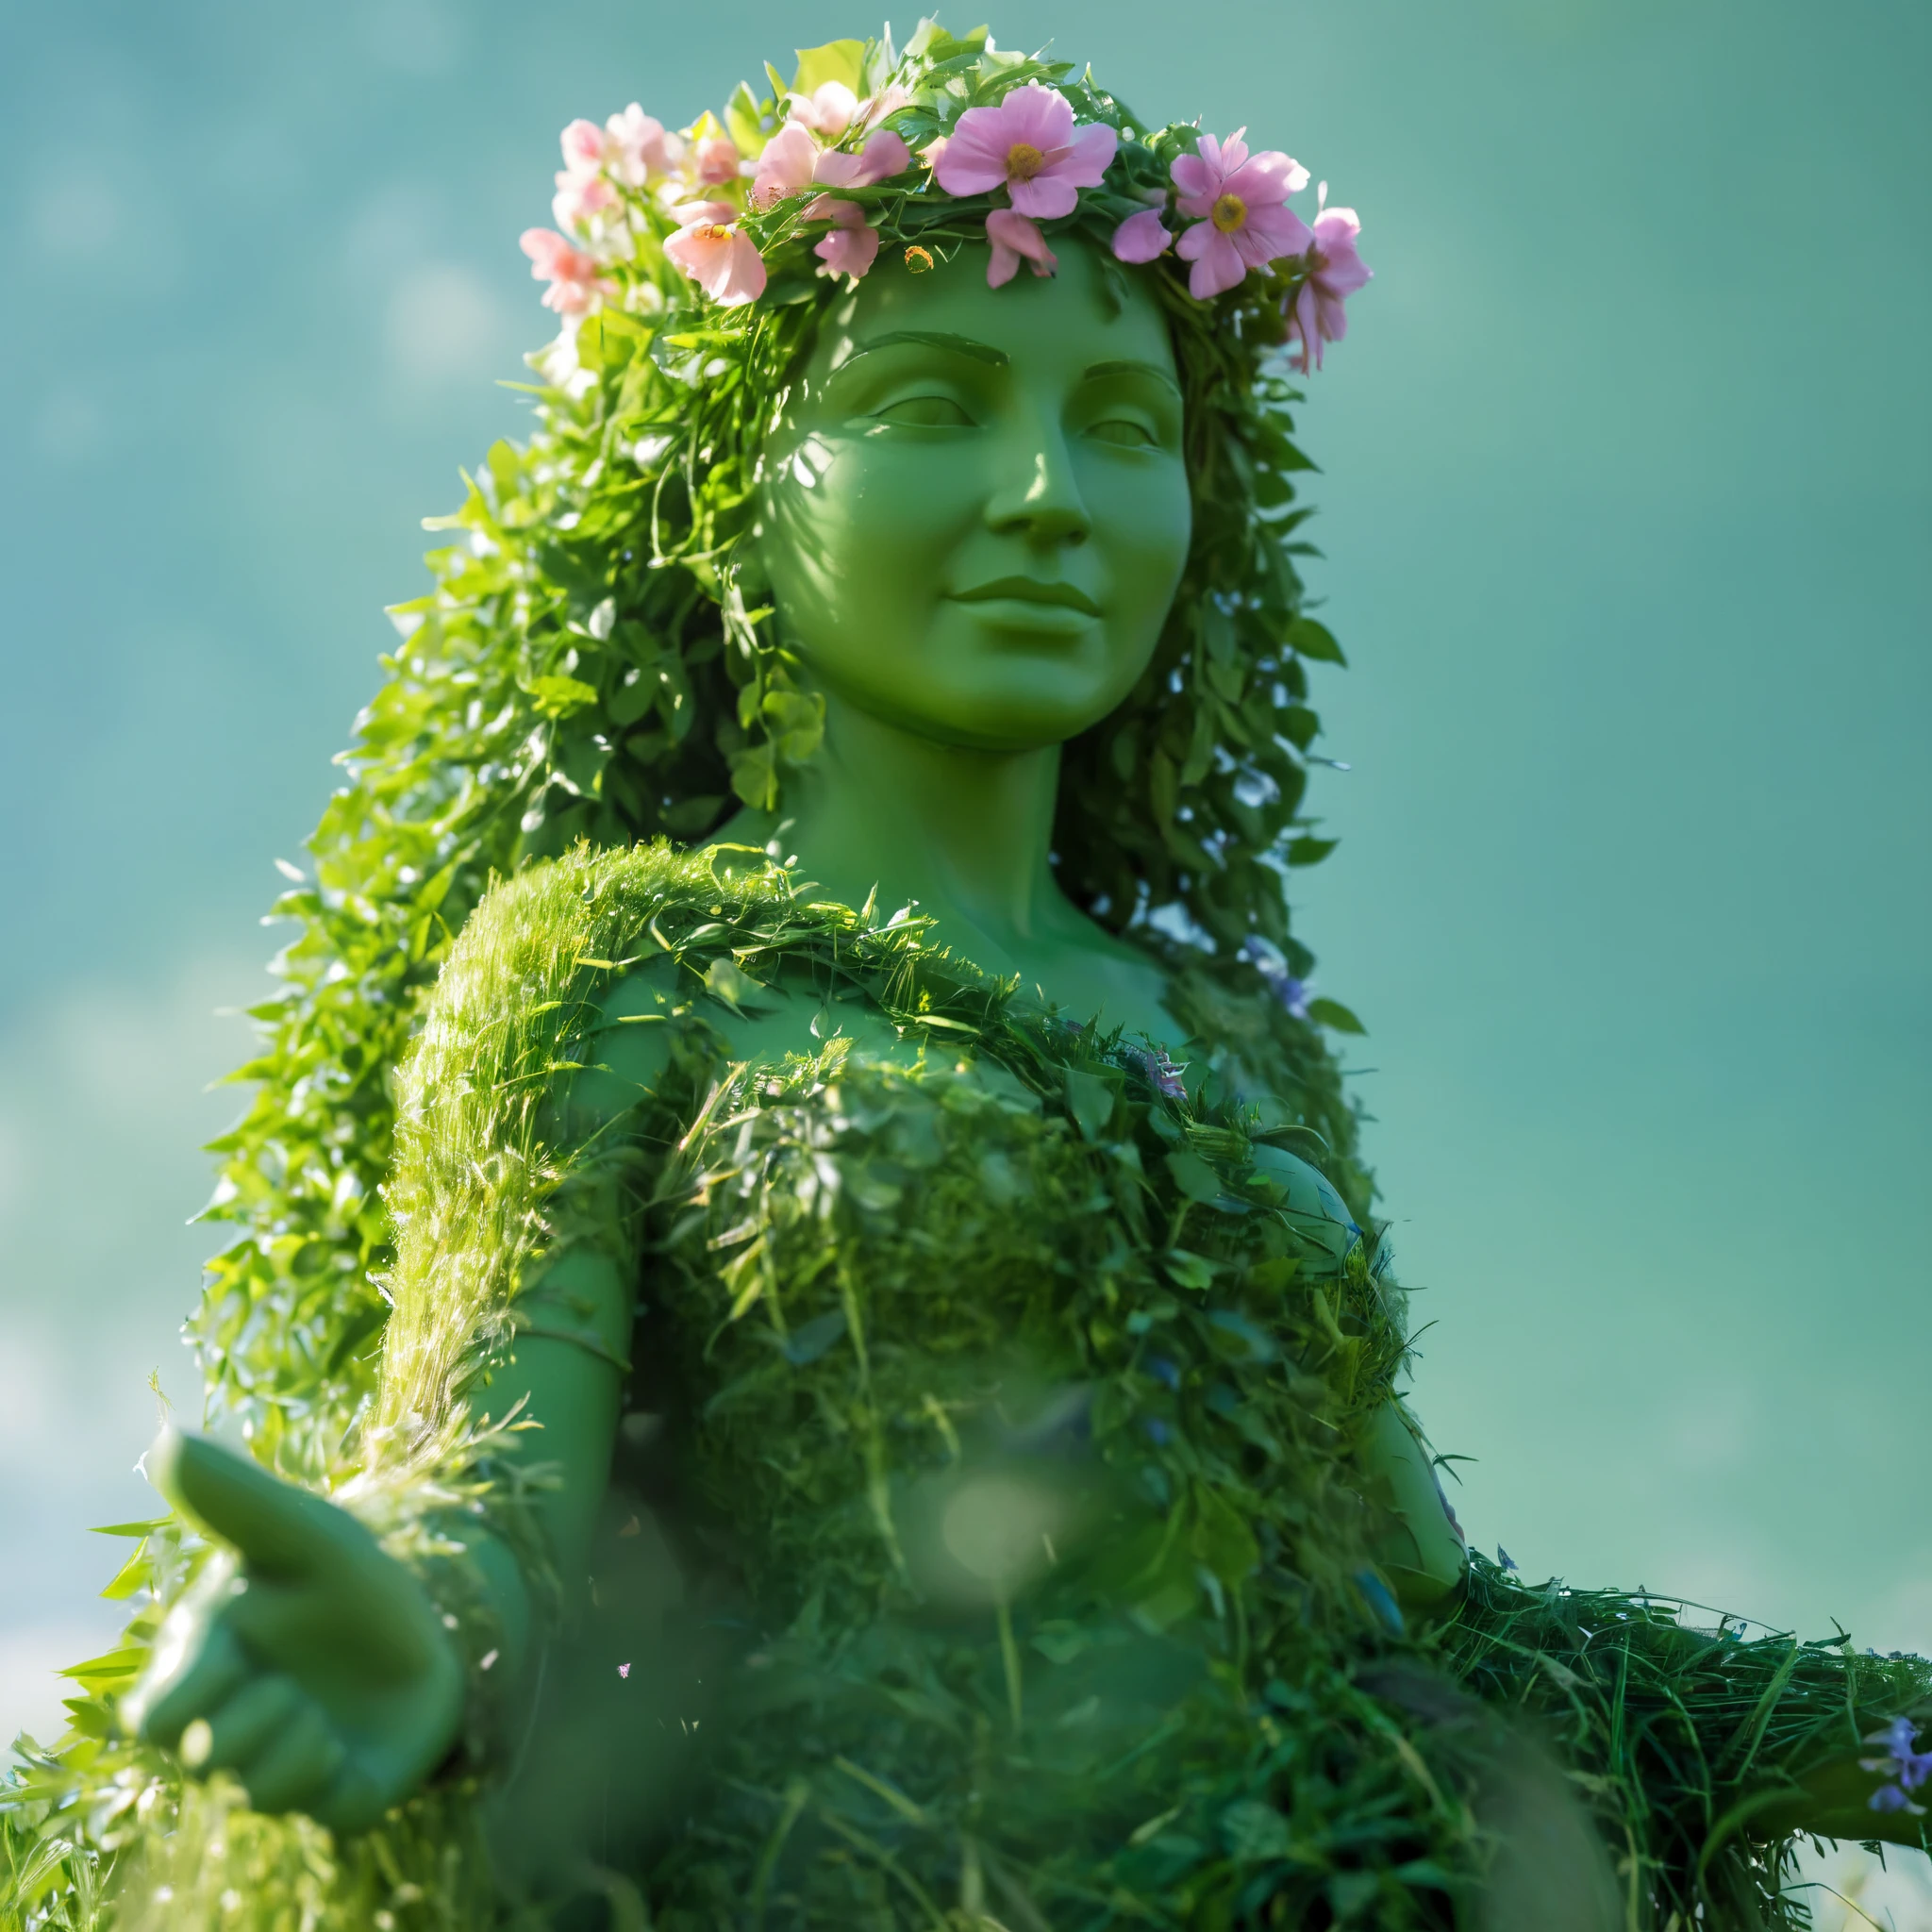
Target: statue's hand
{"x":308,"y":1663}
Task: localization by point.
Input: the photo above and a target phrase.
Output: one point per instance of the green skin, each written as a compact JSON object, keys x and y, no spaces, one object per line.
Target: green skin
{"x":975,"y":520}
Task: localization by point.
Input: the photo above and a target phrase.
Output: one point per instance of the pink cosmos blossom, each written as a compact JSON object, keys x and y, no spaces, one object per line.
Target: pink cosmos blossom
{"x":575,"y":286}
{"x":794,"y":161}
{"x":853,"y":246}
{"x":1239,"y":203}
{"x":717,"y":254}
{"x":714,"y":160}
{"x":1141,"y":237}
{"x":1029,"y":146}
{"x":1013,"y":235}
{"x":1335,"y":272}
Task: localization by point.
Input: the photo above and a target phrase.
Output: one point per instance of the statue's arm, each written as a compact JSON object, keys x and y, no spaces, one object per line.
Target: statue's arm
{"x":1419,"y":1544}
{"x":314,"y":1665}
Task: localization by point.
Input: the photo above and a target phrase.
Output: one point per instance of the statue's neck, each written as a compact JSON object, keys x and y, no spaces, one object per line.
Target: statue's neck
{"x":965,"y":833}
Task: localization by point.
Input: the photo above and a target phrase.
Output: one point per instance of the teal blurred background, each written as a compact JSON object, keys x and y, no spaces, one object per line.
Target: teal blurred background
{"x":1627,"y":464}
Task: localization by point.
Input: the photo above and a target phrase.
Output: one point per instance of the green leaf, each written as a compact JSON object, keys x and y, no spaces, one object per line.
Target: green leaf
{"x":142,"y":1529}
{"x":1335,"y":1016}
{"x":1193,"y":1176}
{"x":1309,"y":851}
{"x":1091,"y":1101}
{"x":744,"y":124}
{"x":107,"y":1668}
{"x":558,"y":696}
{"x":1315,"y":639}
{"x":840,"y":60}
{"x":131,"y":1576}
{"x":726,"y":981}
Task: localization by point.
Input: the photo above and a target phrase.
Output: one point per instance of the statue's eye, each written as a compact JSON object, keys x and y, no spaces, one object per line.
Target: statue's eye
{"x":1123,"y":431}
{"x":923,"y":412}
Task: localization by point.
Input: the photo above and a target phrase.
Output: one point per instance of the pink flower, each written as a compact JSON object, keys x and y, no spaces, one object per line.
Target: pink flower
{"x":829,"y":110}
{"x":853,"y":246}
{"x":717,"y":254}
{"x":1013,"y":235}
{"x":583,"y":147}
{"x":630,"y":147}
{"x":792,"y":160}
{"x":1141,"y":237}
{"x":831,"y":107}
{"x":1335,"y":272}
{"x":575,"y":286}
{"x":714,"y":160}
{"x":1028,"y":146}
{"x":580,"y":199}
{"x":1241,"y":220}
{"x":636,"y":147}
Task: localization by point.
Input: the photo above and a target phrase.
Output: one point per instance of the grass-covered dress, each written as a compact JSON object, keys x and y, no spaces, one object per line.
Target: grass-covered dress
{"x":994,"y":1403}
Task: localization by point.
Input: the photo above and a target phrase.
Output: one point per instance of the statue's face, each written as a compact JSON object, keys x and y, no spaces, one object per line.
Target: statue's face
{"x":975,"y":510}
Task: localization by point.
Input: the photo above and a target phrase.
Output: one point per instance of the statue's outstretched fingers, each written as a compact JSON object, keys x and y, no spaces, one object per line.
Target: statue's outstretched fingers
{"x":355,"y":1800}
{"x":199,"y":1664}
{"x":244,"y":1727}
{"x":297,"y":1767}
{"x":279,"y":1530}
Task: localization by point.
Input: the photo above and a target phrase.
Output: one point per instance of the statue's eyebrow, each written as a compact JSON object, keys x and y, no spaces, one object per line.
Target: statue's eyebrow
{"x":1153,"y":369}
{"x":957,"y":346}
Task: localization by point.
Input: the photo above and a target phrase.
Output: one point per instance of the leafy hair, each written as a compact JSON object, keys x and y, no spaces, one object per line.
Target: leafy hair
{"x":586,"y":666}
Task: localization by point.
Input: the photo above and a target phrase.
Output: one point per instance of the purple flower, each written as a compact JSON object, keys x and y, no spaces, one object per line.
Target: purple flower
{"x":1029,"y":146}
{"x":1906,"y":1769}
{"x":1161,"y":1071}
{"x":1293,"y":994}
{"x":1505,"y":1558}
{"x":1240,"y":215}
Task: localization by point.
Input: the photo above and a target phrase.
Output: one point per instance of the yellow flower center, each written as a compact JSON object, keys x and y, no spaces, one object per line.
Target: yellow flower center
{"x":1229,"y":213}
{"x":715,"y":231}
{"x":1023,"y":161}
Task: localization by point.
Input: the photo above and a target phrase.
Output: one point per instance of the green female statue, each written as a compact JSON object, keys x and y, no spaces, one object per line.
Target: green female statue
{"x":806,"y":1311}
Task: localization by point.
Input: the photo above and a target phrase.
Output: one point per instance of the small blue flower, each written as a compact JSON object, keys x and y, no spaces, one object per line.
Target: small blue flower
{"x":1158,"y":1432}
{"x":1890,"y":1798}
{"x":1505,"y":1558}
{"x":1164,"y":1371}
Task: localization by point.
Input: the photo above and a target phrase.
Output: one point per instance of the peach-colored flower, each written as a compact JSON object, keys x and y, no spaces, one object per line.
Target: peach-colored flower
{"x":582,"y":200}
{"x":583,"y":147}
{"x":1029,"y":146}
{"x":830,"y":110}
{"x":1238,"y":201}
{"x":714,"y":160}
{"x":1335,"y":272}
{"x":717,"y":254}
{"x":575,"y":286}
{"x":1012,"y":236}
{"x":630,"y":147}
{"x":637,"y":148}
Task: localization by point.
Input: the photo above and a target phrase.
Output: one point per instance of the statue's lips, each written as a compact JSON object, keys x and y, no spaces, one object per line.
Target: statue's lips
{"x":1029,"y":591}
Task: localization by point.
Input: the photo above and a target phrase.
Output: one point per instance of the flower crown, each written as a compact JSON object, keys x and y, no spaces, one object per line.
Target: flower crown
{"x":949,"y":142}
